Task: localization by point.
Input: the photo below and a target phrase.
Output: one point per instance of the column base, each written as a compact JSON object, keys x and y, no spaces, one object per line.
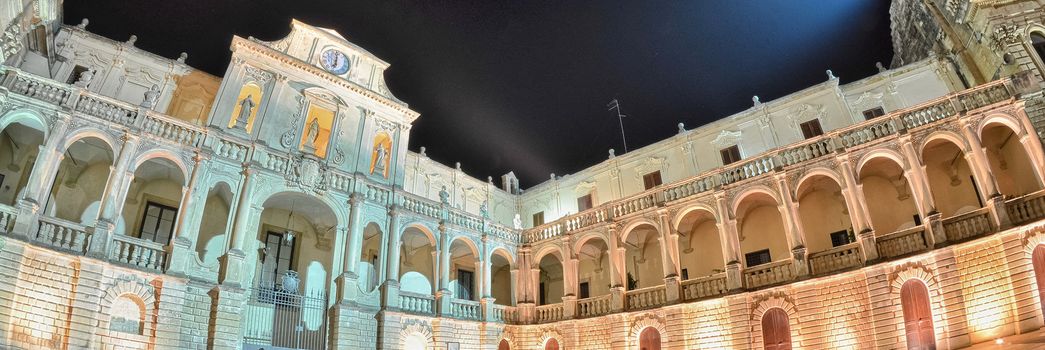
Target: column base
{"x":347,"y":288}
{"x":617,"y":298}
{"x":569,"y":306}
{"x":672,"y":287}
{"x":798,"y":255}
{"x":100,"y":233}
{"x":868,"y":245}
{"x":999,"y":213}
{"x":442,"y":302}
{"x":231,"y":271}
{"x":25,"y":224}
{"x":178,"y":254}
{"x":734,"y":279}
{"x":390,"y":294}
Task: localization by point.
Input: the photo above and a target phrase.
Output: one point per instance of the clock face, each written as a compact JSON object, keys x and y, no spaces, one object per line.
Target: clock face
{"x":334,"y":61}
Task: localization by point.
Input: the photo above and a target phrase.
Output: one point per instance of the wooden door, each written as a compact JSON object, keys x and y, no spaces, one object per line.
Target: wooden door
{"x":1038,"y":259}
{"x":776,"y":333}
{"x":552,"y":344}
{"x":917,"y":316}
{"x":649,"y":339}
{"x":503,"y":345}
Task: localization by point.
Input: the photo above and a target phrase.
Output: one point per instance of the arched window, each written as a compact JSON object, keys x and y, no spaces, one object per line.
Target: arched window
{"x":127,"y":315}
{"x":1037,"y":40}
{"x":776,"y":333}
{"x":551,"y":344}
{"x":917,"y":316}
{"x":503,"y":345}
{"x":649,"y":339}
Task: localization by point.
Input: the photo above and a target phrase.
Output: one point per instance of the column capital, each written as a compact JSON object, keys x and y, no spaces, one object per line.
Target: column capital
{"x":355,"y":198}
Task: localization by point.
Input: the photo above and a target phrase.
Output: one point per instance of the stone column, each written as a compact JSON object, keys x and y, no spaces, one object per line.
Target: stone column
{"x":985,"y":181}
{"x":390,"y":288}
{"x":349,"y":279}
{"x":111,"y":202}
{"x":617,"y":274}
{"x":669,"y":257}
{"x":792,"y":226}
{"x":730,"y":241}
{"x":225,"y":322}
{"x":45,"y":168}
{"x":231,"y":271}
{"x":443,"y":295}
{"x":180,"y":249}
{"x":487,"y":268}
{"x":916,"y":175}
{"x":854,"y":202}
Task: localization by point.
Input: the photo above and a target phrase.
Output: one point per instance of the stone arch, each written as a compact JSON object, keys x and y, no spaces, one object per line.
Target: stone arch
{"x":548,"y":334}
{"x":587,"y":236}
{"x":752,"y":190}
{"x":416,"y":335}
{"x":551,"y":249}
{"x":427,"y":231}
{"x":504,"y":253}
{"x":1014,"y":162}
{"x":643,"y":322}
{"x":698,"y":227}
{"x":631,"y":225}
{"x":1006,"y":119}
{"x":507,"y":337}
{"x":774,"y":300}
{"x":216,"y":197}
{"x":681,"y":214}
{"x":160,"y":153}
{"x":944,"y":135}
{"x":889,"y":154}
{"x":818,"y":171}
{"x":917,"y":271}
{"x":953,"y":182}
{"x":89,"y":132}
{"x":468,"y":242}
{"x":823,"y":211}
{"x":336,"y":207}
{"x":28,"y":117}
{"x":138,"y":291}
{"x":1028,"y":44}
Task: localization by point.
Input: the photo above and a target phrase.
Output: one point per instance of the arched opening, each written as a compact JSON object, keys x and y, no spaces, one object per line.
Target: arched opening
{"x":762,"y":236}
{"x":1009,"y":161}
{"x":501,"y":282}
{"x":823,"y":214}
{"x":917,"y":315}
{"x":643,"y":258}
{"x":19,"y":147}
{"x":776,"y":332}
{"x":417,"y":262}
{"x":464,"y":266}
{"x":649,"y":339}
{"x":700,"y":247}
{"x":551,"y":344}
{"x":1038,"y":261}
{"x":415,"y":342}
{"x":1037,"y":41}
{"x":593,"y":269}
{"x":950,"y":179}
{"x":210,"y":244}
{"x":503,"y":345}
{"x":127,"y":315}
{"x":550,"y":287}
{"x":889,"y":198}
{"x":80,"y":182}
{"x":153,"y":200}
{"x":369,"y":259}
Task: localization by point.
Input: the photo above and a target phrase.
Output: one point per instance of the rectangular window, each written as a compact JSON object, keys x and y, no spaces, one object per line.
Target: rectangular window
{"x":811,"y":129}
{"x":157,"y":223}
{"x":917,"y":219}
{"x":279,"y":254}
{"x":651,"y":180}
{"x":538,"y":219}
{"x":465,"y":282}
{"x":542,"y":295}
{"x":730,"y":154}
{"x":585,"y":290}
{"x":757,"y":258}
{"x":874,"y":113}
{"x":584,"y":203}
{"x":685,"y":274}
{"x":840,"y":238}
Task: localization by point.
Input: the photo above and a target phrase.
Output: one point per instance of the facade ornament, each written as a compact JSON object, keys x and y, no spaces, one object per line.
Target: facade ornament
{"x":756,"y":101}
{"x":339,"y":156}
{"x":423,"y":151}
{"x":484,"y":209}
{"x":1006,"y":34}
{"x":289,"y":281}
{"x":182,"y":57}
{"x":831,"y":75}
{"x":444,"y":197}
{"x":307,"y":173}
{"x":612,"y":153}
{"x":287,"y":139}
{"x":517,"y":222}
{"x":132,"y":40}
{"x":84,"y":80}
{"x":83,"y":24}
{"x":726,"y":138}
{"x":246,"y":107}
{"x":881,"y":68}
{"x":257,"y":75}
{"x":151,"y":96}
{"x":682,"y":128}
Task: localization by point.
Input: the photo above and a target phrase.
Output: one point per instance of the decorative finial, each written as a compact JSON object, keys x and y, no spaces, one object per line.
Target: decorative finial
{"x":83,"y":24}
{"x":458,"y":166}
{"x":553,"y":176}
{"x":423,"y":151}
{"x":612,"y":153}
{"x":831,"y":75}
{"x":755,"y":100}
{"x":182,"y":57}
{"x":132,"y":39}
{"x":682,"y":128}
{"x":489,"y":179}
{"x":880,"y":67}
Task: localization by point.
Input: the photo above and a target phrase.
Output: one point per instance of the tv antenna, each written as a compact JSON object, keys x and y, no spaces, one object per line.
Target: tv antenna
{"x":615,"y":106}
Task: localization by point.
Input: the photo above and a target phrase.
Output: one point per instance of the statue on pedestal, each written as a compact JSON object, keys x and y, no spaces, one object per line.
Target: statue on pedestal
{"x":313,"y":134}
{"x":379,"y":159}
{"x":151,"y":96}
{"x":517,"y":222}
{"x":246,"y":106}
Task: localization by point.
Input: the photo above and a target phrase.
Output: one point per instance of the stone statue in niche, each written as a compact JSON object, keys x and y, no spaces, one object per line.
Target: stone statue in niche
{"x":444,"y":197}
{"x":312,"y":135}
{"x":151,"y":96}
{"x":246,"y":106}
{"x":85,"y":78}
{"x":379,"y":159}
{"x":484,"y":209}
{"x":517,"y":222}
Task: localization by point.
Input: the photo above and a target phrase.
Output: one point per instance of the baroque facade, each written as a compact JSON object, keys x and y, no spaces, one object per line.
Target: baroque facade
{"x":149,"y":205}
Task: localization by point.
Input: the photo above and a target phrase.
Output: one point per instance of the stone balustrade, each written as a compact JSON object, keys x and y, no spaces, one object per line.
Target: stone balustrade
{"x":769,"y":274}
{"x":465,"y":309}
{"x":1026,"y":208}
{"x":416,"y":303}
{"x":107,"y":109}
{"x":505,"y":314}
{"x":377,"y":194}
{"x":903,"y":242}
{"x":645,"y":298}
{"x":689,"y":187}
{"x":62,"y":235}
{"x":7,"y":218}
{"x":41,"y":89}
{"x":137,"y":252}
{"x":704,"y":287}
{"x":746,"y":170}
{"x":173,"y":130}
{"x":594,"y":306}
{"x":549,"y":313}
{"x":635,"y":204}
{"x":972,"y":224}
{"x":836,"y":259}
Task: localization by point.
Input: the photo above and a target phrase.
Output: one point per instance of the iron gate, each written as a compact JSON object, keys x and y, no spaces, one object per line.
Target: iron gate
{"x":274,"y":318}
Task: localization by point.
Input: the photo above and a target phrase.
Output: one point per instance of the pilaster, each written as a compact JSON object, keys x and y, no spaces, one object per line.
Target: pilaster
{"x":224,"y":328}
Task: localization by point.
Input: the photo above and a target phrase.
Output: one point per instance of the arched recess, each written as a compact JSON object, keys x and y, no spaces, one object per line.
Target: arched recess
{"x":1010,"y":164}
{"x":776,"y":330}
{"x":502,"y":283}
{"x":503,"y":345}
{"x":593,"y":267}
{"x":417,"y":260}
{"x":1037,"y":45}
{"x":22,"y":134}
{"x":464,"y":268}
{"x":551,"y":344}
{"x":887,"y":191}
{"x":550,"y":277}
{"x":825,"y":218}
{"x":153,"y":200}
{"x":296,"y":231}
{"x":647,"y":333}
{"x":761,"y":229}
{"x":917,"y":314}
{"x":369,"y":271}
{"x":700,"y":245}
{"x":649,"y":339}
{"x":210,"y":243}
{"x":80,"y":181}
{"x":951,"y":181}
{"x":642,"y":257}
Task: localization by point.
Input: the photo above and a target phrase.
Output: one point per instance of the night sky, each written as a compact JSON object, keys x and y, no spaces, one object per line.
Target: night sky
{"x":523,"y":85}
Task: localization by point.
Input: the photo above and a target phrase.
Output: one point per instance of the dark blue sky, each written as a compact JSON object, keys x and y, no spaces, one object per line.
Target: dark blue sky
{"x":523,"y":85}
